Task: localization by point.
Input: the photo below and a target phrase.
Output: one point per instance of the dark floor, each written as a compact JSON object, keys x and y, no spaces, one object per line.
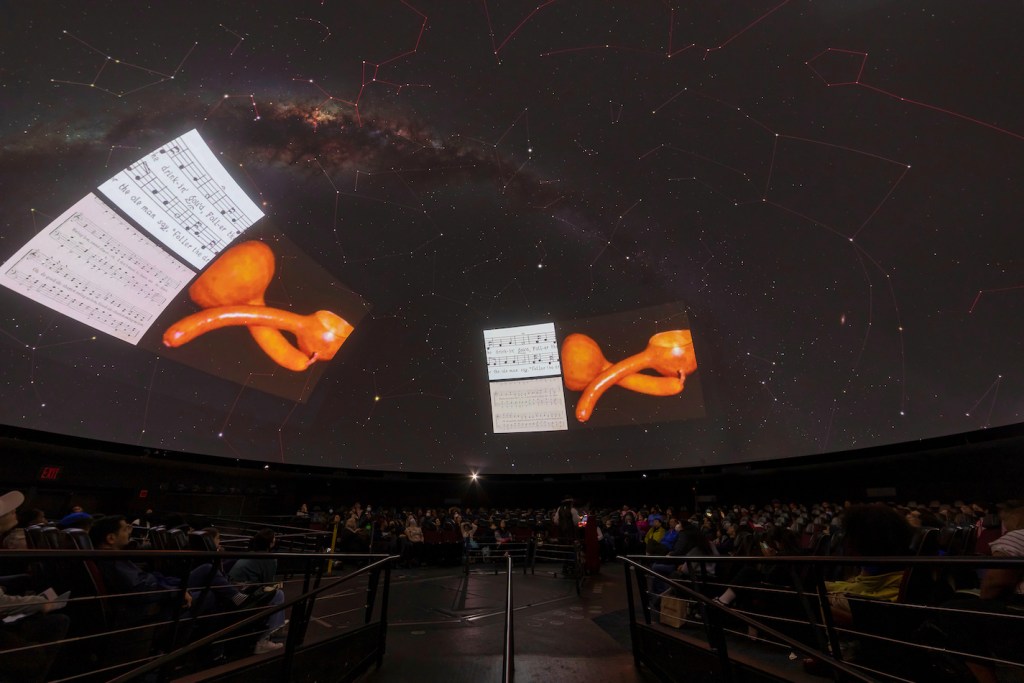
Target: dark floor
{"x":446,"y":626}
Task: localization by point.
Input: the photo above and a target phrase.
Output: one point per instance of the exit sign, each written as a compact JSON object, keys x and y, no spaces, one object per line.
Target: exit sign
{"x":49,"y":473}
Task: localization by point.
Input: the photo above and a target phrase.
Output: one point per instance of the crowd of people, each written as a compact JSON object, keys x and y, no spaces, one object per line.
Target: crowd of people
{"x":153,"y":610}
{"x":670,"y":534}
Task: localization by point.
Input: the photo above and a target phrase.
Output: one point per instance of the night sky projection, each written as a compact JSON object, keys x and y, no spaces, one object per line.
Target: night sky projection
{"x":832,"y":188}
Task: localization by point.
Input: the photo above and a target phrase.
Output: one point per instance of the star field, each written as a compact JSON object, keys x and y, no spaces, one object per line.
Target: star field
{"x":830,"y":189}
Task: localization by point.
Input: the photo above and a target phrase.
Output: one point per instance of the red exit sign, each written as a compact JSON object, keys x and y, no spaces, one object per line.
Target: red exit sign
{"x":49,"y":473}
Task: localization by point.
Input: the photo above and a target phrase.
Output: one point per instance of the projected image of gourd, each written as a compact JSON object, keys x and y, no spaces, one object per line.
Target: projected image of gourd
{"x":585,"y":368}
{"x":232,"y":291}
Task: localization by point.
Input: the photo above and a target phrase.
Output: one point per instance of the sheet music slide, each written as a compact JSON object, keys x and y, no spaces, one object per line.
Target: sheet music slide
{"x":91,"y":265}
{"x":182,"y":195}
{"x":528,"y":405}
{"x":526,"y":351}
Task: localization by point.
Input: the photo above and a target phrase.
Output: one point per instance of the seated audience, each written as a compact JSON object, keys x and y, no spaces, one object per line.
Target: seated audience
{"x":986,"y":625}
{"x":874,"y":530}
{"x":652,"y":539}
{"x":30,"y":634}
{"x":76,"y":520}
{"x":146,"y":596}
{"x":9,"y":504}
{"x":15,"y":539}
{"x":213,"y":593}
{"x":259,"y":574}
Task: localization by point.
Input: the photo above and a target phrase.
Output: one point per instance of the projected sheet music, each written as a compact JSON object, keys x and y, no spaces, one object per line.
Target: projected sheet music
{"x":528,"y":405}
{"x":182,"y":195}
{"x":91,"y":265}
{"x":526,"y":351}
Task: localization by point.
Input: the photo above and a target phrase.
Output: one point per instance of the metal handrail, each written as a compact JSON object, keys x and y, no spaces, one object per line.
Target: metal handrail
{"x":839,"y":560}
{"x":508,"y":662}
{"x":691,"y":594}
{"x":291,"y":643}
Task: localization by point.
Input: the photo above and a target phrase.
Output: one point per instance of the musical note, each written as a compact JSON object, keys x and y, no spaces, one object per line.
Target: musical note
{"x":526,"y":351}
{"x":183,"y":196}
{"x":92,"y":266}
{"x":530,"y":405}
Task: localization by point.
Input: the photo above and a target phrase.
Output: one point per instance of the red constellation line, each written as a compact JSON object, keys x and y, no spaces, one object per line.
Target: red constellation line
{"x":615,"y":110}
{"x":991,"y":291}
{"x":337,"y":195}
{"x":419,"y":210}
{"x":149,"y":394}
{"x":236,"y":35}
{"x":161,"y":76}
{"x":708,"y":50}
{"x":519,"y":26}
{"x":669,"y":52}
{"x":234,"y":404}
{"x":992,"y":406}
{"x":327,"y":31}
{"x":524,"y":116}
{"x":111,"y":153}
{"x":370,"y":76}
{"x":618,"y":224}
{"x":860,"y":71}
{"x":295,"y":404}
{"x":835,"y":231}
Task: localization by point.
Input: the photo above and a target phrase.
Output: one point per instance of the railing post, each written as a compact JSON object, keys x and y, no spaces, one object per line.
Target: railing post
{"x":508,"y":660}
{"x":826,"y":615}
{"x":382,"y":641}
{"x":712,"y":623}
{"x":631,"y":607}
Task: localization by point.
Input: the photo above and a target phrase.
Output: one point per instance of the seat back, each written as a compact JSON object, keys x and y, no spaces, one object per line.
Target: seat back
{"x":51,"y":538}
{"x":34,"y":536}
{"x":79,"y":538}
{"x":925,"y":542}
{"x":201,"y":540}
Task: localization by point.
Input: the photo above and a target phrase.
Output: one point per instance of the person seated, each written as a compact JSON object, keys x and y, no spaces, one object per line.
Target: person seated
{"x":874,"y":530}
{"x":15,"y":539}
{"x":352,"y":538}
{"x":502,"y":534}
{"x":672,"y":529}
{"x":690,"y":542}
{"x":986,"y":625}
{"x":29,"y":635}
{"x":76,"y":520}
{"x":780,"y":542}
{"x":652,"y":539}
{"x":213,"y":593}
{"x":9,"y":504}
{"x":259,"y":574}
{"x":145,"y":596}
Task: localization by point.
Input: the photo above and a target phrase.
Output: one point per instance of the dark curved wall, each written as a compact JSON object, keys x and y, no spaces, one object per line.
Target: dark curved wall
{"x":982,"y":466}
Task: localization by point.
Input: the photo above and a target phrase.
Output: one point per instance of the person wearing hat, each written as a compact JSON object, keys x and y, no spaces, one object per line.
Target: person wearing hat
{"x":15,"y":539}
{"x":38,"y":627}
{"x":9,"y":504}
{"x":76,"y":520}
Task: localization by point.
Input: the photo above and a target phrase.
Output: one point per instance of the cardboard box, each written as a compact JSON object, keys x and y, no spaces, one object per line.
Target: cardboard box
{"x":674,"y":611}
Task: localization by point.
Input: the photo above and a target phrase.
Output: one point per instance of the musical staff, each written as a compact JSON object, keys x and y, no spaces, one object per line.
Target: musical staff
{"x":182,"y":195}
{"x":499,"y":342}
{"x":523,"y":359}
{"x":101,"y":252}
{"x":92,"y":266}
{"x":51,"y":279}
{"x":526,"y":351}
{"x":530,"y":405}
